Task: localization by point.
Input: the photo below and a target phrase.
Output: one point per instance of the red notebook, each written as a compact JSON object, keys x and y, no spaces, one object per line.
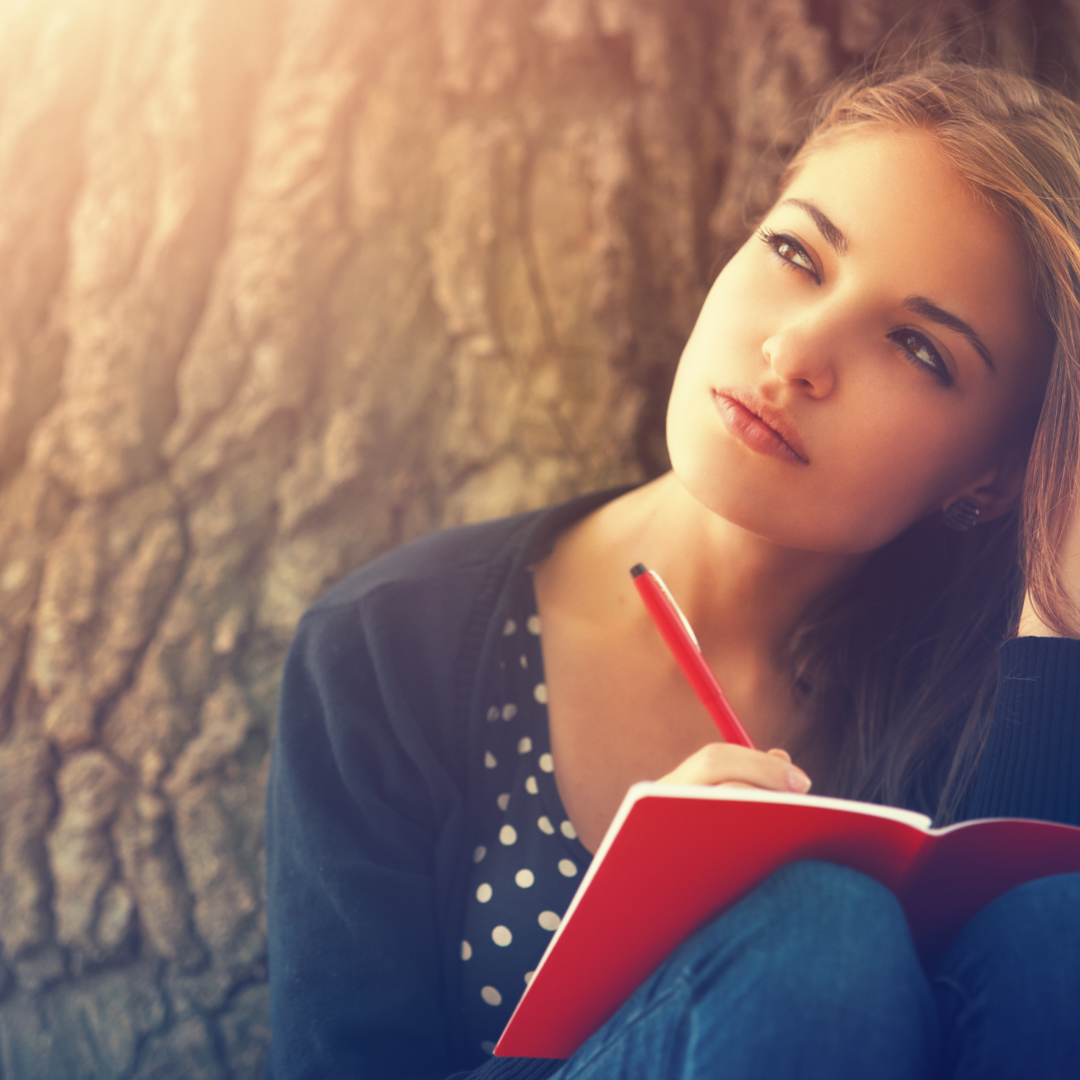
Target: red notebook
{"x":676,"y":855}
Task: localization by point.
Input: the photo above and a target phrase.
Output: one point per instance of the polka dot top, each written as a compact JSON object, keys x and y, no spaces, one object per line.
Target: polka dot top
{"x":528,"y":861}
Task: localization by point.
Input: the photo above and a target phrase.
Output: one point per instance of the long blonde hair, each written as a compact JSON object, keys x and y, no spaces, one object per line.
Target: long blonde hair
{"x":901,"y":664}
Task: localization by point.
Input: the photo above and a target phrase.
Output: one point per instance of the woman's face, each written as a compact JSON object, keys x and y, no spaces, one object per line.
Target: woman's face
{"x":871,"y":355}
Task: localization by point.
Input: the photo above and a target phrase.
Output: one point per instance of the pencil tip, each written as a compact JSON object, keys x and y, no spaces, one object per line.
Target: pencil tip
{"x":638,"y":570}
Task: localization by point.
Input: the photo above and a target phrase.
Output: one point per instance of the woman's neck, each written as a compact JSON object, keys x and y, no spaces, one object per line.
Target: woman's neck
{"x":743,"y":595}
{"x":619,"y":708}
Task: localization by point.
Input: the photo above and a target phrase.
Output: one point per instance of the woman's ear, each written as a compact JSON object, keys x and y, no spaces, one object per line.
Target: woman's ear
{"x":997,"y":491}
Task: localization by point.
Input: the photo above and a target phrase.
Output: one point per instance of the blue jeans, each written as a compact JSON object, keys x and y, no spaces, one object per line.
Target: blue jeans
{"x":814,"y":975}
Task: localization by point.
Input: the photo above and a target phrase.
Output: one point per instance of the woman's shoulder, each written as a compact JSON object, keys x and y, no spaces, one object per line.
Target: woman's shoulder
{"x":462,"y":554}
{"x":428,"y":560}
{"x":1039,"y":691}
{"x":401,"y":640}
{"x":438,"y":578}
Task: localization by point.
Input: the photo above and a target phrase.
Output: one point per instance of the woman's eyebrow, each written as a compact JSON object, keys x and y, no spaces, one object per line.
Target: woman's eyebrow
{"x":837,"y":240}
{"x":919,"y":305}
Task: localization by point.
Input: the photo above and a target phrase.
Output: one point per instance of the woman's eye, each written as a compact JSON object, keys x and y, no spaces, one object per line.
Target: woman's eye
{"x":918,"y":351}
{"x":789,"y":250}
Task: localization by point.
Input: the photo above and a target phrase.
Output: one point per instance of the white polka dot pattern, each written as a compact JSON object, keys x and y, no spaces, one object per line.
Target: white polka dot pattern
{"x":549,"y":920}
{"x":527,"y":857}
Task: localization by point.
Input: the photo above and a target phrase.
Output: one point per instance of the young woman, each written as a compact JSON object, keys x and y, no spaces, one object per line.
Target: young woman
{"x":848,"y":527}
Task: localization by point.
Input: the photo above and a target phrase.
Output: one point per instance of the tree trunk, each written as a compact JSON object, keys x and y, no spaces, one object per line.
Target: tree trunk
{"x":283,"y":284}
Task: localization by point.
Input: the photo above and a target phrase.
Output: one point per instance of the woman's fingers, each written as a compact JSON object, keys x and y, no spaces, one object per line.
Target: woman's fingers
{"x":726,"y":763}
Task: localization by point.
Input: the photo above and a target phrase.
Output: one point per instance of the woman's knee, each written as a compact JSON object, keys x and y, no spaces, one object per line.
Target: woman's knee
{"x":818,"y":964}
{"x":1031,"y":912}
{"x":812,"y":930}
{"x":812,"y":908}
{"x":798,"y":978}
{"x":1009,"y":985}
{"x":1024,"y":936}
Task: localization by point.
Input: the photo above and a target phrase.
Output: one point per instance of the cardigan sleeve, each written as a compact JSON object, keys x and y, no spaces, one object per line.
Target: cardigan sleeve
{"x":366,"y":822}
{"x":1030,"y":766}
{"x":352,"y":833}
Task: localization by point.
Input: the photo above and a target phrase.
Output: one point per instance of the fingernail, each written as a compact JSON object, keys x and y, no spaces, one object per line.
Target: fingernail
{"x":798,"y":781}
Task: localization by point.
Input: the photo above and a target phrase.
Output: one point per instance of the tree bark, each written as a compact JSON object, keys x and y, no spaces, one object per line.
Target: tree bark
{"x":284,"y":284}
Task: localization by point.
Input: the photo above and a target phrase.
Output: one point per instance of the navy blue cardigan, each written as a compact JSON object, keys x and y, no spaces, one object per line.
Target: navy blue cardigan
{"x":381,"y":718}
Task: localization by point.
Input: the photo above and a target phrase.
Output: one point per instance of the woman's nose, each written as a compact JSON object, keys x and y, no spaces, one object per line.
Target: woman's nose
{"x":801,"y":359}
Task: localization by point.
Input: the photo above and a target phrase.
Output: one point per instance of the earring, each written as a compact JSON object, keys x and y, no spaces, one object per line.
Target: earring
{"x":961,"y":515}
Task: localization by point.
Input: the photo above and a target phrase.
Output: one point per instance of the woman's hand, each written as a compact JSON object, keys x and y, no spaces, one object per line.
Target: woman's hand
{"x":725,"y":763}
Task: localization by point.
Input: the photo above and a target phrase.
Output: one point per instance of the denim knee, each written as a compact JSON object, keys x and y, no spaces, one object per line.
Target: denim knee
{"x":1009,"y":986}
{"x":827,"y":931}
{"x":813,"y":974}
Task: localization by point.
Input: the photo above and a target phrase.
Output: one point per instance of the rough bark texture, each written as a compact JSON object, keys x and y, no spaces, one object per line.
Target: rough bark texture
{"x":284,"y":283}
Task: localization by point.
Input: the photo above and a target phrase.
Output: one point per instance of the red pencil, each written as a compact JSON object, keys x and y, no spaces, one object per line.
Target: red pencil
{"x":676,"y":631}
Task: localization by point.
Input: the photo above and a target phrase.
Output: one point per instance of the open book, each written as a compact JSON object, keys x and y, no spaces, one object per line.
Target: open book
{"x":675,"y":856}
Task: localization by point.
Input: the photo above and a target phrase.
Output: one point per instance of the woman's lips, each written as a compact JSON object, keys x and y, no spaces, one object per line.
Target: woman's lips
{"x":759,"y":426}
